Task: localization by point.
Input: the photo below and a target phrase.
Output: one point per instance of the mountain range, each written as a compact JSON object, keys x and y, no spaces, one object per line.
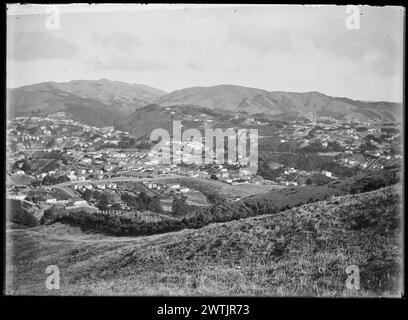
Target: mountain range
{"x":105,"y":102}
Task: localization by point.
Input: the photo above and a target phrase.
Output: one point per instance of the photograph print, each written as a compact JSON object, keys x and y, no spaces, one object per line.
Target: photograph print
{"x":204,"y":150}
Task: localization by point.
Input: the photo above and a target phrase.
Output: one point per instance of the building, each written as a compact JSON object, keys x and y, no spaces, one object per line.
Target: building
{"x":327,"y":173}
{"x":80,"y":203}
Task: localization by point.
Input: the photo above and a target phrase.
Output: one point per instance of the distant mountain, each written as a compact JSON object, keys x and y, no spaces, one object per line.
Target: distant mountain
{"x":84,"y":96}
{"x":104,"y":102}
{"x":121,"y":94}
{"x":253,"y":101}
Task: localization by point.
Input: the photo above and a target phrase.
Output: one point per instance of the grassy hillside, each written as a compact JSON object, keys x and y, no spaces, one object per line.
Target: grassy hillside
{"x":302,"y":251}
{"x":103,"y":95}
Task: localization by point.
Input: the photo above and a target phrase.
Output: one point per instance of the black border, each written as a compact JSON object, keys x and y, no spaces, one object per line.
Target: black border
{"x":261,"y":308}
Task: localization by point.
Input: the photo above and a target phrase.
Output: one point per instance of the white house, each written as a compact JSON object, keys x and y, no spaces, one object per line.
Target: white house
{"x":16,"y":196}
{"x":80,"y":203}
{"x":327,"y":173}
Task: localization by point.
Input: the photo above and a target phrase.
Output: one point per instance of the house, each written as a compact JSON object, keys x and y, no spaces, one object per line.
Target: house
{"x":244,"y":172}
{"x":80,"y":203}
{"x":17,"y":196}
{"x":19,"y":172}
{"x":224,"y":175}
{"x":72,"y":176}
{"x":51,"y":200}
{"x":61,"y":202}
{"x":327,"y":173}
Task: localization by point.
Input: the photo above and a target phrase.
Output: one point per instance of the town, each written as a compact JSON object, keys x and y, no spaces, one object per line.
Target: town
{"x":54,"y":161}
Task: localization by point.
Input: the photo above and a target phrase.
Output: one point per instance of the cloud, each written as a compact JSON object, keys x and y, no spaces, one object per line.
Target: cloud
{"x":33,"y":45}
{"x":194,"y":66}
{"x":121,"y":41}
{"x":372,"y":50}
{"x":261,"y":39}
{"x":120,"y":62}
{"x":375,"y":48}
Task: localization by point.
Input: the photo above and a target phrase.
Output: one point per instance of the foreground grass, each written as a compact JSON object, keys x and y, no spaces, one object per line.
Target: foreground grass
{"x":300,"y":252}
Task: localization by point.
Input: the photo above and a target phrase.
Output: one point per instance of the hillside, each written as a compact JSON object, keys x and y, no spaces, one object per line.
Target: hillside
{"x":300,"y":252}
{"x":146,"y":119}
{"x":251,"y":100}
{"x":81,"y":98}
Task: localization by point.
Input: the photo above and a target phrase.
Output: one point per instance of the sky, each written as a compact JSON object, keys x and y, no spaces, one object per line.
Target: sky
{"x":170,"y":47}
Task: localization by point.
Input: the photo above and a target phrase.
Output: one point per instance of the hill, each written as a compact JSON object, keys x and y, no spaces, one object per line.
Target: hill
{"x":271,"y":202}
{"x":300,"y":252}
{"x":104,"y":102}
{"x":82,"y":99}
{"x":148,"y":118}
{"x":253,"y":101}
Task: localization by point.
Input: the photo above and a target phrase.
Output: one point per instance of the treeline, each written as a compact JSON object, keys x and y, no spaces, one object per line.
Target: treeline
{"x":49,"y":180}
{"x":142,"y":202}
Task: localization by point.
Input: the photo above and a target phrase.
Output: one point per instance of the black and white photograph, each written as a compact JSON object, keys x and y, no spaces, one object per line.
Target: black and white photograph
{"x":204,"y":150}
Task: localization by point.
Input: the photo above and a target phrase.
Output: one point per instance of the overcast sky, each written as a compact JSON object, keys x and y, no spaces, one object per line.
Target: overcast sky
{"x":277,"y":48}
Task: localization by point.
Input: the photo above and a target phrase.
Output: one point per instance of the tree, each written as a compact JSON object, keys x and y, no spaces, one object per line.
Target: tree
{"x":22,"y":164}
{"x":179,"y":206}
{"x":116,"y":206}
{"x":103,"y":202}
{"x":87,"y":195}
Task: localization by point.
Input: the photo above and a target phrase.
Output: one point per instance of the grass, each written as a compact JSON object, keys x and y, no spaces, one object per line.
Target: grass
{"x":300,"y":252}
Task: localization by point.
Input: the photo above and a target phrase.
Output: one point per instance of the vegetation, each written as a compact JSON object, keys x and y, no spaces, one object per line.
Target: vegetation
{"x":54,"y":179}
{"x":261,"y":204}
{"x":300,"y":252}
{"x":21,"y":213}
{"x":142,"y":202}
{"x":179,"y":206}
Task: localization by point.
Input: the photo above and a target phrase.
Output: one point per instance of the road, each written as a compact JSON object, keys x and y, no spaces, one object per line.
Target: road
{"x":116,"y":179}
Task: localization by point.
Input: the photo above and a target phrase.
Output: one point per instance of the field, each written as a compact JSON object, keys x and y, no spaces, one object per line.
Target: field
{"x":18,"y":180}
{"x":225,"y":190}
{"x":299,"y":252}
